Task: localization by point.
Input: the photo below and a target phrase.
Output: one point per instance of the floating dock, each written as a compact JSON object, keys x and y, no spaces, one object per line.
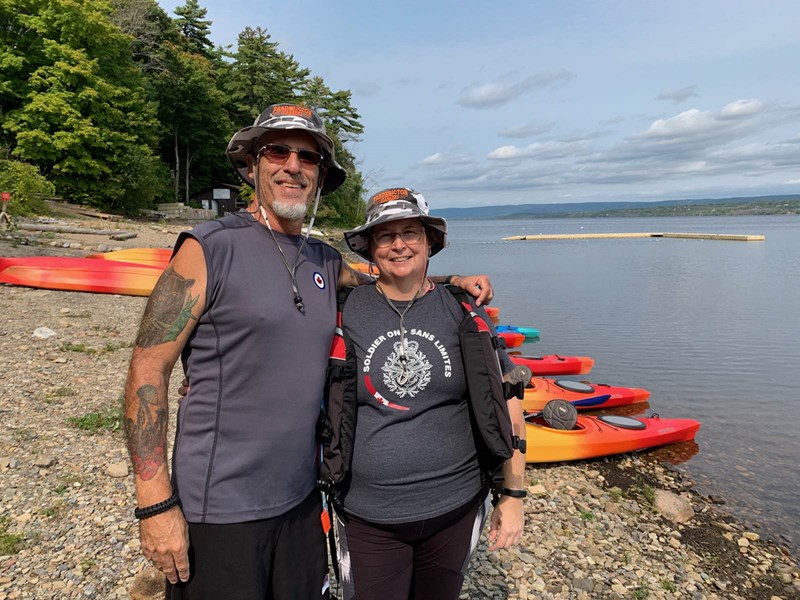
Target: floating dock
{"x":733,"y":237}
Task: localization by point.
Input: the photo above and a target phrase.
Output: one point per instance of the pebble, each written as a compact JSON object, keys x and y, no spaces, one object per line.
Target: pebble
{"x":44,"y":333}
{"x":117,"y":469}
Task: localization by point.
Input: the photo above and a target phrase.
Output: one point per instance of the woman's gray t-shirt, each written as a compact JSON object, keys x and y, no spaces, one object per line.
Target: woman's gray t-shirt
{"x":414,"y":455}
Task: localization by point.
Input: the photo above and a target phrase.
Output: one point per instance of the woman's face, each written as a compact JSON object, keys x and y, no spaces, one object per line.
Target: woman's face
{"x":400,"y":248}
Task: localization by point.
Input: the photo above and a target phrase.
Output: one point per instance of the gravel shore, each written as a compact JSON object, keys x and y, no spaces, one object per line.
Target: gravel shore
{"x":594,"y":529}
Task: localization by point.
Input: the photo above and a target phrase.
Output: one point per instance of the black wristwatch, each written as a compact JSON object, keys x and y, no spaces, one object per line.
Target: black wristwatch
{"x":513,"y":493}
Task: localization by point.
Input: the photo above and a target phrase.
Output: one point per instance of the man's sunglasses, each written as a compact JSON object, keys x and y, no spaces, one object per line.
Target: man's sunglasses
{"x":279,"y":154}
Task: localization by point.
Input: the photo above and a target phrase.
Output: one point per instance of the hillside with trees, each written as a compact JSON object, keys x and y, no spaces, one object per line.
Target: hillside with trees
{"x":118,"y":105}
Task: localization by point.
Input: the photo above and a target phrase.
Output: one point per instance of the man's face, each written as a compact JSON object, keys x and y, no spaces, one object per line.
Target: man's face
{"x":286,"y":187}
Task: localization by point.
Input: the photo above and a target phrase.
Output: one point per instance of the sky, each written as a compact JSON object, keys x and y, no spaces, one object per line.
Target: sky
{"x":540,"y":101}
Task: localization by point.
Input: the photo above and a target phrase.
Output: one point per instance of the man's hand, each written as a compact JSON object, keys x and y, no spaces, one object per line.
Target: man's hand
{"x":477,"y":285}
{"x":508,"y":520}
{"x":165,"y":543}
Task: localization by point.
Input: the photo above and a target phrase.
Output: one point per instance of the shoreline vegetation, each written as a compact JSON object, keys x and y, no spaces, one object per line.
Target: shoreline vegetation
{"x":713,"y":207}
{"x":595,"y":529}
{"x":777,"y":207}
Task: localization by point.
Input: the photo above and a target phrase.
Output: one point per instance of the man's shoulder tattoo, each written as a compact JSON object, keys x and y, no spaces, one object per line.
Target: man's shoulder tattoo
{"x":168,"y":311}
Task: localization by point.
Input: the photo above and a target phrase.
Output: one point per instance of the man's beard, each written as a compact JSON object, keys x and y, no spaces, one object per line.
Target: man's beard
{"x":291,"y":211}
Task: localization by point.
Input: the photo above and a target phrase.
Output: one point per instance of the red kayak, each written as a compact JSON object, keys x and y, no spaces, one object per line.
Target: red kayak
{"x":512,"y":339}
{"x":80,"y":275}
{"x":602,"y":436}
{"x":581,"y":394}
{"x":553,"y":364}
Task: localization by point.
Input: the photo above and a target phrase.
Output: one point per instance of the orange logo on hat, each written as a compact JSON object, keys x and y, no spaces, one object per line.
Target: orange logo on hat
{"x":295,"y":111}
{"x":389,"y":195}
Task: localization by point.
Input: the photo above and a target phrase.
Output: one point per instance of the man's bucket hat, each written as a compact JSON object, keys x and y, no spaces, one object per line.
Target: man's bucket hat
{"x":394,"y":204}
{"x":279,"y":117}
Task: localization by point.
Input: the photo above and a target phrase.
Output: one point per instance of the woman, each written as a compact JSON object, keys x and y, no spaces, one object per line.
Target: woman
{"x":414,"y":502}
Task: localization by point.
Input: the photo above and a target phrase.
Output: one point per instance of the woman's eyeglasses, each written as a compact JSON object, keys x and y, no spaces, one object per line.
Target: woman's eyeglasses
{"x":279,"y":154}
{"x":409,"y":236}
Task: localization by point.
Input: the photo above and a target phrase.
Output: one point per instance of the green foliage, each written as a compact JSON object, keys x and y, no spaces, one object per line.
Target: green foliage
{"x":10,"y":543}
{"x":27,"y":187}
{"x":107,"y":419}
{"x":194,"y":27}
{"x":260,"y":75}
{"x":115,"y":104}
{"x":587,"y":515}
{"x":668,"y":585}
{"x":641,"y":593}
{"x":84,"y":120}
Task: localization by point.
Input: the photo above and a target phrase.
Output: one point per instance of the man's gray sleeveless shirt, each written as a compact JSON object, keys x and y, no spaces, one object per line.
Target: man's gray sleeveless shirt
{"x":245,"y":441}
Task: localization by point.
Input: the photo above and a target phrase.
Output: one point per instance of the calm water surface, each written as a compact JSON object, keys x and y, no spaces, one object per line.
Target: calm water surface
{"x":711,"y":328}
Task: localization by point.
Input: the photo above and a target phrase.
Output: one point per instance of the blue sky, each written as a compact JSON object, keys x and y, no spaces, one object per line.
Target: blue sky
{"x":477,"y":103}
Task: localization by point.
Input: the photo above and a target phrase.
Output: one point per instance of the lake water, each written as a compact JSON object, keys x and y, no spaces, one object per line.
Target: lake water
{"x":711,"y":328}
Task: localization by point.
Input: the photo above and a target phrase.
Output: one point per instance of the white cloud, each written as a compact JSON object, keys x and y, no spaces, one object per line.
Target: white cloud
{"x":688,"y":122}
{"x":489,"y":95}
{"x":793,"y":182}
{"x":440,"y":158}
{"x":696,"y":130}
{"x":540,"y":150}
{"x":741,"y":108}
{"x":525,"y":131}
{"x":433,"y":159}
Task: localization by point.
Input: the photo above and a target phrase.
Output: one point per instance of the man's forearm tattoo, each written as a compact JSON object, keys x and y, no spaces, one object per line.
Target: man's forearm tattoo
{"x":168,"y":310}
{"x":147,"y":436}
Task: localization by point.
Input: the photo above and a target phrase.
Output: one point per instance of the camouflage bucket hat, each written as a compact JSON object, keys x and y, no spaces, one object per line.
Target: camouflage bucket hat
{"x":394,"y":204}
{"x":280,"y":117}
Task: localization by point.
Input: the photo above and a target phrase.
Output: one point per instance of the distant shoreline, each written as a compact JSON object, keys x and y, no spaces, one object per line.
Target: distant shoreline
{"x":698,"y":210}
{"x":719,"y":207}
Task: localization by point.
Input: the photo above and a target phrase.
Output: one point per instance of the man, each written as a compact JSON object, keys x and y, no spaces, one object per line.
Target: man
{"x":250,"y":306}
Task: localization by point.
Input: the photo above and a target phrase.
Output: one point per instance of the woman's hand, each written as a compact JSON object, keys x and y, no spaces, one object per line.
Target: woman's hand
{"x":507,"y":523}
{"x":183,"y":390}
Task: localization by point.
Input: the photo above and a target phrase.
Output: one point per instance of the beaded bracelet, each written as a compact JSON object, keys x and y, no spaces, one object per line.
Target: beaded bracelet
{"x":156,"y":509}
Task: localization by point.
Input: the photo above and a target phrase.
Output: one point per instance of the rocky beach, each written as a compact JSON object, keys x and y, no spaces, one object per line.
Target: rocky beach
{"x":625,"y":527}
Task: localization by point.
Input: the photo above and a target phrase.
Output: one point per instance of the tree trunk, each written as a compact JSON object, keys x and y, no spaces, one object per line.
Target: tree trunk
{"x":186,"y":169}
{"x":177,"y":171}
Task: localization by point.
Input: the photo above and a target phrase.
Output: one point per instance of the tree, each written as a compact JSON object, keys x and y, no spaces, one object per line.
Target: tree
{"x":260,"y":75}
{"x":194,"y":124}
{"x":84,"y":119}
{"x":334,"y":107}
{"x":194,"y":28}
{"x":344,"y":206}
{"x":150,"y":27}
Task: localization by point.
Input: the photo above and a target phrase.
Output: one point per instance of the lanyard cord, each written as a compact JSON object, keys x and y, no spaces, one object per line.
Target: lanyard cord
{"x":403,"y":378}
{"x":298,"y":300}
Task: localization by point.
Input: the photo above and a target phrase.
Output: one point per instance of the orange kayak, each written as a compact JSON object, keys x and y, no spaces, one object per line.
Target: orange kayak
{"x":582,"y":394}
{"x":603,"y":436}
{"x":553,"y":364}
{"x":153,"y":257}
{"x":79,"y":275}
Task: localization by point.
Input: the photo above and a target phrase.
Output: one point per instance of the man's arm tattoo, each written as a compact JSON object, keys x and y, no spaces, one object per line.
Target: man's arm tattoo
{"x":168,"y":311}
{"x":147,"y":436}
